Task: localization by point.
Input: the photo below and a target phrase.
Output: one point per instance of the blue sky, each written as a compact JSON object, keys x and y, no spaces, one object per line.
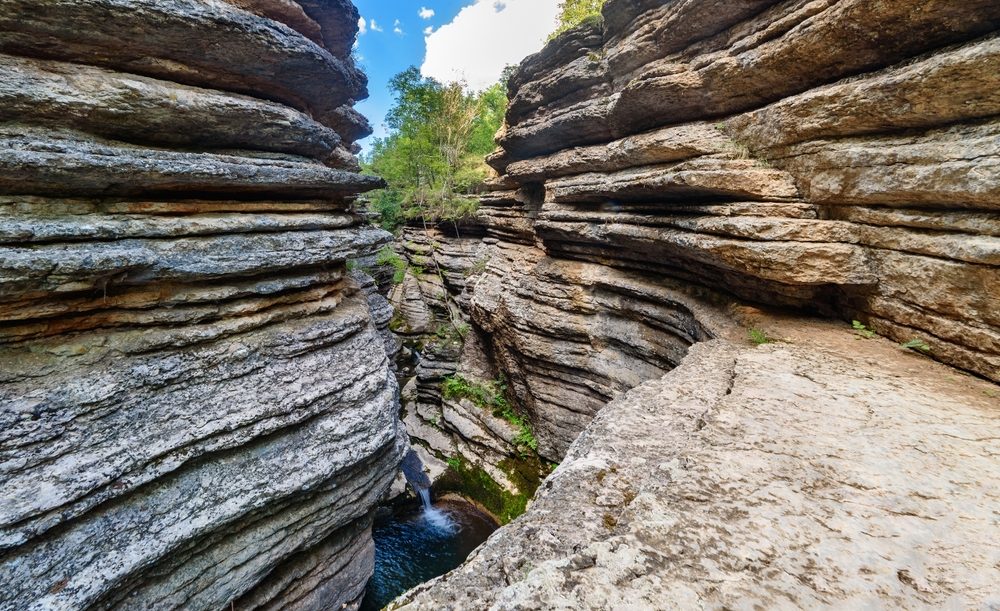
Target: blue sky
{"x":468,"y":40}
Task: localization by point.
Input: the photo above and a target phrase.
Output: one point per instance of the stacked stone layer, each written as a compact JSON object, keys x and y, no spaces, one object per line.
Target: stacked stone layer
{"x":668,"y":179}
{"x":835,"y":157}
{"x":820,"y":472}
{"x":196,"y":405}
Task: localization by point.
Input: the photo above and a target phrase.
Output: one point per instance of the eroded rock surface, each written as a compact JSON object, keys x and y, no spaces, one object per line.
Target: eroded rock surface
{"x":659,"y":170}
{"x":834,"y":157}
{"x":196,"y":403}
{"x":823,"y":471}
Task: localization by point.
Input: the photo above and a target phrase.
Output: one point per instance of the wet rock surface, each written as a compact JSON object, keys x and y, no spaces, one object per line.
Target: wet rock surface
{"x":197,"y":409}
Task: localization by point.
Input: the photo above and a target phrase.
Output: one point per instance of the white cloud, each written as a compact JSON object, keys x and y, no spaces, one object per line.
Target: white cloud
{"x":428,"y":30}
{"x":425,"y":13}
{"x":362,"y":26}
{"x":374,"y":26}
{"x":486,"y":37}
{"x":397,"y":27}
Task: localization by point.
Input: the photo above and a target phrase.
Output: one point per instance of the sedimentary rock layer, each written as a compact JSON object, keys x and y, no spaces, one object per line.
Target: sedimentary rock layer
{"x":823,"y":471}
{"x":670,"y":176}
{"x":196,"y":403}
{"x":835,"y":157}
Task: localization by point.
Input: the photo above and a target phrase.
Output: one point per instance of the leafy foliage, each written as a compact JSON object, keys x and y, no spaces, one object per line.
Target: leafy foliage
{"x":758,"y":337}
{"x":575,"y":12}
{"x":916,"y":344}
{"x":491,"y":396}
{"x":487,"y":395}
{"x":862,"y":330}
{"x":387,"y":256}
{"x":433,"y":157}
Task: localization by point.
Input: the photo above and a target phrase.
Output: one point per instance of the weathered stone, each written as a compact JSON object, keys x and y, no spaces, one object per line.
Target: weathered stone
{"x":658,"y":171}
{"x":206,"y":43}
{"x":143,"y":110}
{"x":197,"y":405}
{"x":42,"y":162}
{"x":848,"y":115}
{"x":821,"y":471}
{"x":953,"y":85}
{"x":952,"y":167}
{"x":701,"y":178}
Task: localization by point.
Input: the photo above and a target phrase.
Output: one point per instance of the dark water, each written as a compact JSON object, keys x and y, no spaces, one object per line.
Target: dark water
{"x":415,"y":545}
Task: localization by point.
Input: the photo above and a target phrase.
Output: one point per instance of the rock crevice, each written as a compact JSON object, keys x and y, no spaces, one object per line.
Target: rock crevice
{"x":670,"y":177}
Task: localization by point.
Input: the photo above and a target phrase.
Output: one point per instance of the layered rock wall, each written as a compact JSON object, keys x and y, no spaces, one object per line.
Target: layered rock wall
{"x":669,"y":178}
{"x":836,"y":157}
{"x":820,"y":472}
{"x":196,"y":405}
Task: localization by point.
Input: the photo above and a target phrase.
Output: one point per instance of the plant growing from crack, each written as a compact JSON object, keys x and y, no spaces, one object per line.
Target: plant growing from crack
{"x":863,"y":331}
{"x":478,"y":267}
{"x":387,"y":256}
{"x":917,"y":345}
{"x":491,"y":396}
{"x":758,"y":337}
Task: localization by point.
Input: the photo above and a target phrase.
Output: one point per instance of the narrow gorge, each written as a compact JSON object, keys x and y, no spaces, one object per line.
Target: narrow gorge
{"x":724,"y":330}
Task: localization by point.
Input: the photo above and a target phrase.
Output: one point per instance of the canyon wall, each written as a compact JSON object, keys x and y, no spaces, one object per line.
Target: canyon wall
{"x":677,"y":182}
{"x":835,"y":157}
{"x":196,"y":405}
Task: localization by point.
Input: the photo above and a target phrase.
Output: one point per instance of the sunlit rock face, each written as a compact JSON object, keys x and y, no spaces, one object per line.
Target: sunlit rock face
{"x":669,"y":178}
{"x":834,"y":157}
{"x":196,"y":406}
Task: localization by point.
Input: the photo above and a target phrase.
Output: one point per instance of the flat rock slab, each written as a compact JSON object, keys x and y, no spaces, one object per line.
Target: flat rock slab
{"x":825,"y":470}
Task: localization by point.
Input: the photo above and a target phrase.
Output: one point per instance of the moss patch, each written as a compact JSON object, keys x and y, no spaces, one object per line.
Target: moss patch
{"x":473,"y":482}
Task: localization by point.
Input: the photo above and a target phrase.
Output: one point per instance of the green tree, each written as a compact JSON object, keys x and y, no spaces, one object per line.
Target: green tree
{"x":433,"y":158}
{"x":574,"y":12}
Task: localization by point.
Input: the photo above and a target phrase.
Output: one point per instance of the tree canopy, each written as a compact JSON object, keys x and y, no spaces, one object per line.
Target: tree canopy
{"x":574,"y":12}
{"x":433,"y":157}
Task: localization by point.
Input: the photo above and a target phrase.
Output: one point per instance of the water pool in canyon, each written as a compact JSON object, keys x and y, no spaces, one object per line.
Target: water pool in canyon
{"x":416,"y":543}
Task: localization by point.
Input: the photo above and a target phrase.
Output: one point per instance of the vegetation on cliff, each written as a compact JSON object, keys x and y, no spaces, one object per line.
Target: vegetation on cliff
{"x":574,"y":12}
{"x":491,"y":396}
{"x":433,"y":157}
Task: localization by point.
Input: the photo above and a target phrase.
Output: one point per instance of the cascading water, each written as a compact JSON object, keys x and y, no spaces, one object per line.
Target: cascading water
{"x":413,"y":470}
{"x":415,"y":544}
{"x":425,"y":498}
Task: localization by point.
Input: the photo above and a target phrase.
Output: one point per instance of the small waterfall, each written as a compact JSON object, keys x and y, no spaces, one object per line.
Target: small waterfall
{"x":413,"y":470}
{"x":425,"y":497}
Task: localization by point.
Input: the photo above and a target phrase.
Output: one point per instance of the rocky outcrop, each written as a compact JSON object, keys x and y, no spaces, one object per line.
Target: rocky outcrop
{"x":835,"y":157}
{"x":669,"y":177}
{"x":196,"y":404}
{"x":752,"y":477}
{"x":444,"y":262}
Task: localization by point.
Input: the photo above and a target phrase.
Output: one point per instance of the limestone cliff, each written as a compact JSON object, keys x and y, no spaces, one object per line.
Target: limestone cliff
{"x":838,"y":157}
{"x":196,"y":406}
{"x":672,"y":175}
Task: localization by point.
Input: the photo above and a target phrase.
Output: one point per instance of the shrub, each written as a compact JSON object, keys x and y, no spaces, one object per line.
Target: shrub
{"x":387,"y":256}
{"x":573,"y":13}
